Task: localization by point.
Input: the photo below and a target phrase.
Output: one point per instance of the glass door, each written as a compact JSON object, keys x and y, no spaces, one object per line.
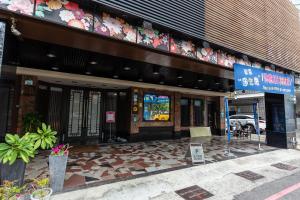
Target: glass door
{"x":85,"y":120}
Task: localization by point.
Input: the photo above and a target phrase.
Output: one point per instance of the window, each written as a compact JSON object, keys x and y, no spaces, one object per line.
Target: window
{"x":185,"y":112}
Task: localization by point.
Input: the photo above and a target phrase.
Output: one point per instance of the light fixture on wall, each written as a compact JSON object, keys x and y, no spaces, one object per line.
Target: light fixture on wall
{"x":14,"y":29}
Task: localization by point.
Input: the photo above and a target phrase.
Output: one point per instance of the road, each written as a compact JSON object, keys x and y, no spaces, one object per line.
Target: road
{"x":287,"y":188}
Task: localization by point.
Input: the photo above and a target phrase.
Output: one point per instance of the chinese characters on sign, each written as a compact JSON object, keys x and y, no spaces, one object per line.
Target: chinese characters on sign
{"x":249,"y":78}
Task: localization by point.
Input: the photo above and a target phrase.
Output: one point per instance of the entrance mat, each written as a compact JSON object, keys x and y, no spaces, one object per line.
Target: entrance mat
{"x":194,"y":193}
{"x":249,"y":175}
{"x":284,"y":166}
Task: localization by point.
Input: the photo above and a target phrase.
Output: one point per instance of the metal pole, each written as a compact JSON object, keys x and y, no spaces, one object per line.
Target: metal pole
{"x":258,"y":129}
{"x":228,"y":125}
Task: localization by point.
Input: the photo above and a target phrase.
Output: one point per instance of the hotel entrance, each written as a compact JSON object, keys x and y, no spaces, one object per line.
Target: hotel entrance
{"x":79,"y":113}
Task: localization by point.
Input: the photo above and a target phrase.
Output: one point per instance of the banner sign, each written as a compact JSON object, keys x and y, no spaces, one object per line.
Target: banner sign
{"x":197,"y":153}
{"x":256,"y":118}
{"x":2,"y":38}
{"x":227,"y":119}
{"x":249,"y":78}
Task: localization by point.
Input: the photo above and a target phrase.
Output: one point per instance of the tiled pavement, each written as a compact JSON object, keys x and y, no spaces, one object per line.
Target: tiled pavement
{"x":106,"y":163}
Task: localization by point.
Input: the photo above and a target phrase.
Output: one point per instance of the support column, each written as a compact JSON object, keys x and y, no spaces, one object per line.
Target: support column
{"x":222,"y":116}
{"x":27,"y":99}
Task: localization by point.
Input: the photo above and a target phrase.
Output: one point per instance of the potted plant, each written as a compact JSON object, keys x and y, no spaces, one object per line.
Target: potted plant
{"x":57,"y":166}
{"x":10,"y":191}
{"x":41,"y":190}
{"x":14,"y":154}
{"x":44,"y":138}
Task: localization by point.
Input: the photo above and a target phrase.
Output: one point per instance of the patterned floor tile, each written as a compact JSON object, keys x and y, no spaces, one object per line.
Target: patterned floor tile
{"x":111,"y":162}
{"x":249,"y":175}
{"x":193,"y":193}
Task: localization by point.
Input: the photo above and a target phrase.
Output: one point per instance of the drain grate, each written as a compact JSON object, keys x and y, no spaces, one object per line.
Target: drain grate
{"x":249,"y":175}
{"x":194,"y":193}
{"x":284,"y":166}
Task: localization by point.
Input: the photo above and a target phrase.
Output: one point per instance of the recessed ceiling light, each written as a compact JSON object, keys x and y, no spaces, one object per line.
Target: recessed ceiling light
{"x":127,"y":68}
{"x":217,"y":83}
{"x":200,"y":80}
{"x":88,"y":73}
{"x":140,"y":79}
{"x":209,"y":89}
{"x":51,"y":55}
{"x":196,"y":87}
{"x":55,"y":68}
{"x":115,"y":76}
{"x":93,"y":62}
{"x":179,"y":85}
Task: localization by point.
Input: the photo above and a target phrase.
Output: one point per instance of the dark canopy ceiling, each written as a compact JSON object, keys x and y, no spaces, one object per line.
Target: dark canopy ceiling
{"x":34,"y":54}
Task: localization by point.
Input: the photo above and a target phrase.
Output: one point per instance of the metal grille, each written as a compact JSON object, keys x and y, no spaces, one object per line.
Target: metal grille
{"x":94,"y":114}
{"x":75,"y":113}
{"x":55,"y":107}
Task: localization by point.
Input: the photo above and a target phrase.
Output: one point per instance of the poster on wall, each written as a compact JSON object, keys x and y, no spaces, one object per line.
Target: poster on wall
{"x":65,"y":12}
{"x":156,"y":108}
{"x":249,"y":78}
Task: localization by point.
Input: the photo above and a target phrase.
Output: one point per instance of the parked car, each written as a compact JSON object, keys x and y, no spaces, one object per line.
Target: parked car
{"x":247,"y":121}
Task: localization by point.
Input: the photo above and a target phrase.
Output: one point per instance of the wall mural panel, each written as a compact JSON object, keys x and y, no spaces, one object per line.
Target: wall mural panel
{"x":64,"y":12}
{"x":153,"y":38}
{"x":114,"y":27}
{"x":19,"y":6}
{"x":207,"y":55}
{"x":182,"y":47}
{"x":71,"y":14}
{"x":225,"y":59}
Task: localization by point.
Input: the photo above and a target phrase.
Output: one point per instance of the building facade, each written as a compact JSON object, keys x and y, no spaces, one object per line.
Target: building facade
{"x":103,"y":69}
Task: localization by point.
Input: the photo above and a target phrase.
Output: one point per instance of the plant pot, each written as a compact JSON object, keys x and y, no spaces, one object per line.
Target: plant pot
{"x":57,"y":169}
{"x":41,"y":194}
{"x":14,"y":172}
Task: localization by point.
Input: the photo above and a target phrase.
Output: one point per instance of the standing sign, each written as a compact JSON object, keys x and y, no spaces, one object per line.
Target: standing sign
{"x":110,"y":117}
{"x":197,"y":153}
{"x":249,"y":78}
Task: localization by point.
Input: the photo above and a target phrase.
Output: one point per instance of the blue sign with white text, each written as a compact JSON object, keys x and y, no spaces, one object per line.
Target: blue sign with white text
{"x":249,"y":78}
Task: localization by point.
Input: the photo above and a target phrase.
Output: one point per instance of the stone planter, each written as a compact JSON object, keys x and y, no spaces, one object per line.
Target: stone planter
{"x":57,"y":169}
{"x":14,"y":172}
{"x":42,"y":194}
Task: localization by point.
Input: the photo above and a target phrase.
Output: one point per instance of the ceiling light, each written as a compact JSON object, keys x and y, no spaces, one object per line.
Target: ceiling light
{"x":88,"y":73}
{"x":116,"y":76}
{"x":217,"y":83}
{"x":55,"y":68}
{"x":199,"y":80}
{"x":51,"y":55}
{"x":209,"y":89}
{"x":93,"y":62}
{"x":196,"y":87}
{"x":140,"y":79}
{"x":127,"y":68}
{"x":179,"y":85}
{"x":155,"y":70}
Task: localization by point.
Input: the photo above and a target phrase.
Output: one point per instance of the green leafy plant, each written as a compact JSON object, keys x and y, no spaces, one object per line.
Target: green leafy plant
{"x":16,"y":147}
{"x":9,"y":191}
{"x":31,"y":122}
{"x":44,"y":138}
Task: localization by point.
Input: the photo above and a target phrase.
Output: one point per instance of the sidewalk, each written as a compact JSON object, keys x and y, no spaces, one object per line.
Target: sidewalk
{"x":219,"y":179}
